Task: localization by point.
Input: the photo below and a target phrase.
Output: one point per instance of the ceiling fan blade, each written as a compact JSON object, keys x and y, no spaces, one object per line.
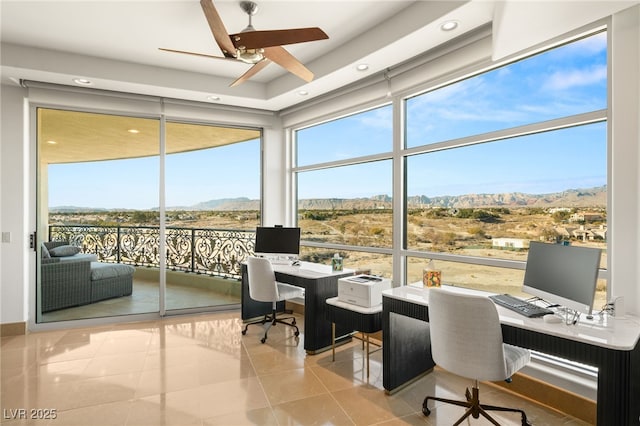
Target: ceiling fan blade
{"x":286,"y":60}
{"x":257,"y":39}
{"x":251,"y":72}
{"x":194,"y":53}
{"x":218,"y":29}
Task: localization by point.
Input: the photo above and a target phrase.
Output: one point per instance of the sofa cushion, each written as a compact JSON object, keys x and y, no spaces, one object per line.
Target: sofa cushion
{"x":80,"y":257}
{"x":63,"y":251}
{"x":101,"y":271}
{"x":45,"y":252}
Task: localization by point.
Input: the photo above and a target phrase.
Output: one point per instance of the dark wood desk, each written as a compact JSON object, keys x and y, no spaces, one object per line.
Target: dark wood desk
{"x":319,"y":284}
{"x":612,"y":348}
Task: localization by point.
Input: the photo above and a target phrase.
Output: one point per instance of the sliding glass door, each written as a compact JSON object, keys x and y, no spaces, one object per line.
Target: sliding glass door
{"x":212,"y":192}
{"x":104,"y":181}
{"x":98,"y":219}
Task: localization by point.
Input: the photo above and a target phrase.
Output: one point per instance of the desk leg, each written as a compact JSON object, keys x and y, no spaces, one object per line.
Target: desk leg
{"x":367,"y":337}
{"x":317,"y":328}
{"x":406,"y":350}
{"x":333,"y":341}
{"x":618,"y":388}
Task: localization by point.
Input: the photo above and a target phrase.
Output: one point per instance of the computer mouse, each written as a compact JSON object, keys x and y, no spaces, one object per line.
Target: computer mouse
{"x":551,"y":318}
{"x":295,"y":263}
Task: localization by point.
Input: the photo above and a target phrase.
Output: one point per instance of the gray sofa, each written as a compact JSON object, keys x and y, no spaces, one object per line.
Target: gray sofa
{"x":72,"y":279}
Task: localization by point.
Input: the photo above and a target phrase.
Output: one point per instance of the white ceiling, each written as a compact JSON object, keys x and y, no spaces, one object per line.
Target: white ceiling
{"x":115,"y":44}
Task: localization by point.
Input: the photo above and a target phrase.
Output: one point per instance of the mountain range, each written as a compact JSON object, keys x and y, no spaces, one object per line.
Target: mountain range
{"x":589,"y":197}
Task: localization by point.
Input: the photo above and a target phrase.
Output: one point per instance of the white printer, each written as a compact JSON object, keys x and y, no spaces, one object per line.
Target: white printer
{"x":362,"y":290}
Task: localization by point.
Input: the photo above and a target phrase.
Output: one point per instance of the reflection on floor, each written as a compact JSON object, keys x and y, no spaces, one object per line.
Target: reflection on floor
{"x":144,"y":299}
{"x":199,"y":370}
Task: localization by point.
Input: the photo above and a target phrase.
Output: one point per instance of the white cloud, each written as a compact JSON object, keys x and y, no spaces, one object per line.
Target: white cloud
{"x":567,"y":79}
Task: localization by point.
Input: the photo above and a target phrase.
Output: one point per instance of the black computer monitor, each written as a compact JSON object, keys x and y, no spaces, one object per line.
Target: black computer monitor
{"x":562,"y":274}
{"x":277,"y":240}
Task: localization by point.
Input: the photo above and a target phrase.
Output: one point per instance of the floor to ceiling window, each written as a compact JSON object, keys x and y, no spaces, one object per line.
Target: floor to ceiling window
{"x":212,"y":210}
{"x":512,"y":155}
{"x":488,"y":163}
{"x":99,"y":198}
{"x":98,"y":189}
{"x":344,"y":175}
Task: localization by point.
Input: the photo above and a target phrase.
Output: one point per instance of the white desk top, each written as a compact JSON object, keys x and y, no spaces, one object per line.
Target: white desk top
{"x":608,"y":332}
{"x":310,"y":270}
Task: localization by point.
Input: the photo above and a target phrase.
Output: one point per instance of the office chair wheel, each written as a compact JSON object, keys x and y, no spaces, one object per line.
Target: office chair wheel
{"x":244,"y":332}
{"x":293,"y":322}
{"x":297,"y":333}
{"x":264,"y":339}
{"x":425,"y":410}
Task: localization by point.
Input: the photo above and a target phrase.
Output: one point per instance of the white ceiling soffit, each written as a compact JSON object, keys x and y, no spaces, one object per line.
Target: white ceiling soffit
{"x":115,"y":44}
{"x":521,"y":24}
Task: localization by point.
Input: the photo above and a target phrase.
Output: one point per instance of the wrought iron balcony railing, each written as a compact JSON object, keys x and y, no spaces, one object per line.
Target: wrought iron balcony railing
{"x":217,"y":252}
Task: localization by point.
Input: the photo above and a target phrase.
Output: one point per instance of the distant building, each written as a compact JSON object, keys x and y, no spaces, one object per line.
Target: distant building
{"x":600,"y":232}
{"x":510,"y":243}
{"x":564,"y":232}
{"x":586,"y":217}
{"x":582,"y":232}
{"x":559,"y":209}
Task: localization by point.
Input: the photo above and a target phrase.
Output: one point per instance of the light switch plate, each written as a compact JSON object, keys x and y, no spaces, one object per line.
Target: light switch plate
{"x":6,"y":237}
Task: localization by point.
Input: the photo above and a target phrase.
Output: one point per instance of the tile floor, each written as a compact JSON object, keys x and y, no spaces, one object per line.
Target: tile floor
{"x":200,"y":370}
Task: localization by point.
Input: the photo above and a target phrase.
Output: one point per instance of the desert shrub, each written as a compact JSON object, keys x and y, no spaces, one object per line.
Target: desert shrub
{"x":444,"y":239}
{"x":323,"y":256}
{"x":476,"y":231}
{"x":317,"y":215}
{"x":560,"y":216}
{"x":436,"y":213}
{"x":145,"y":217}
{"x":534,"y":210}
{"x":376,"y":231}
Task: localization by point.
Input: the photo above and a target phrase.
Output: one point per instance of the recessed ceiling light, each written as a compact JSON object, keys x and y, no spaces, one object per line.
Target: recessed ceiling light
{"x":52,"y":142}
{"x":362,"y":67}
{"x":449,"y":26}
{"x":213,"y":98}
{"x":134,"y":131}
{"x":303,"y":93}
{"x":82,"y":81}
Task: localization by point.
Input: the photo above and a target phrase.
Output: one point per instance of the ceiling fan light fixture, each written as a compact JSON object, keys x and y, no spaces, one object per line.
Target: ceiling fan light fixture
{"x":250,"y":56}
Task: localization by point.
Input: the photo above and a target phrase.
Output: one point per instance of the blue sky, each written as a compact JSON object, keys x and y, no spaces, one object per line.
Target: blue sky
{"x":562,"y":82}
{"x":226,"y":172}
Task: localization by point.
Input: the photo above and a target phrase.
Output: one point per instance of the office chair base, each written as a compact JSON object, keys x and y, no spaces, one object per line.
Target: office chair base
{"x":474,"y":408}
{"x":273,"y":320}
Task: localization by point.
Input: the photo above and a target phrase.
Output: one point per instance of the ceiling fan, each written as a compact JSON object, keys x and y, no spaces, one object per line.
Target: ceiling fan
{"x":258,"y":48}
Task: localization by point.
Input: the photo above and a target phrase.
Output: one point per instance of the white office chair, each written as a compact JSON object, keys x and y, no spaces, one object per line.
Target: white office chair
{"x":263,"y":287}
{"x":466,"y":339}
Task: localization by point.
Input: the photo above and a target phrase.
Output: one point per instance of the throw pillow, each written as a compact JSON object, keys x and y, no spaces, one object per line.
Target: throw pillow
{"x":45,"y":252}
{"x":64,"y":251}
